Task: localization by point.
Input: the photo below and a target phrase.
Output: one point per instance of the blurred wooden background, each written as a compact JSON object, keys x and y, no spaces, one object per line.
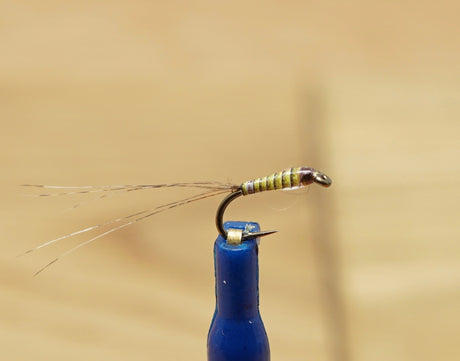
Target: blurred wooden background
{"x":140,"y":92}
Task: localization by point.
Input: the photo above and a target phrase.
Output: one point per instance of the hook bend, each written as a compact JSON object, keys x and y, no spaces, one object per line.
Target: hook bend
{"x":220,"y":218}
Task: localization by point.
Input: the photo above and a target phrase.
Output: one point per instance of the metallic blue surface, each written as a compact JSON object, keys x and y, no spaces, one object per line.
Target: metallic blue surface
{"x":237,"y":332}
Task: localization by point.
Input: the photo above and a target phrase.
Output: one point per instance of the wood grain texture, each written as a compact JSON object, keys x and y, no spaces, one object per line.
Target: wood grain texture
{"x":141,"y":92}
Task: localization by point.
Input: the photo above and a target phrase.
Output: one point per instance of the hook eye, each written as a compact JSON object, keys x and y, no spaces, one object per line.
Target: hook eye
{"x":322,"y":179}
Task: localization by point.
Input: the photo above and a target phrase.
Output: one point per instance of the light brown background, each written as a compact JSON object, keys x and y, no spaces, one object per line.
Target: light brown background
{"x":112,"y":92}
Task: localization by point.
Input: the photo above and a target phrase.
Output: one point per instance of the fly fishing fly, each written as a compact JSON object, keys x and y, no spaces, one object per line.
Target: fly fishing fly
{"x":287,"y":179}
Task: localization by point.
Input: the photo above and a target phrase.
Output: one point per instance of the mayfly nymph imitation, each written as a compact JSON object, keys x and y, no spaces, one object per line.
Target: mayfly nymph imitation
{"x":287,"y":179}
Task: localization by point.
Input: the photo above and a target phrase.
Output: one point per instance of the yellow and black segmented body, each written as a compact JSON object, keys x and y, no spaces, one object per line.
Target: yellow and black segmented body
{"x":286,"y":179}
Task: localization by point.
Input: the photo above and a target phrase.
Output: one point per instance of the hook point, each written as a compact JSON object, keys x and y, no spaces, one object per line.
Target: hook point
{"x":257,"y":234}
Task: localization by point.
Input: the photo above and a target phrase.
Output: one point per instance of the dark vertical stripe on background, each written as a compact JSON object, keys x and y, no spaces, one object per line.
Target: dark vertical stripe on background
{"x":314,"y":135}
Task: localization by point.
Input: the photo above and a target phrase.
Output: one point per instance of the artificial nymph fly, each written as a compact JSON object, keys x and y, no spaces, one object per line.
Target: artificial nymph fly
{"x":287,"y":179}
